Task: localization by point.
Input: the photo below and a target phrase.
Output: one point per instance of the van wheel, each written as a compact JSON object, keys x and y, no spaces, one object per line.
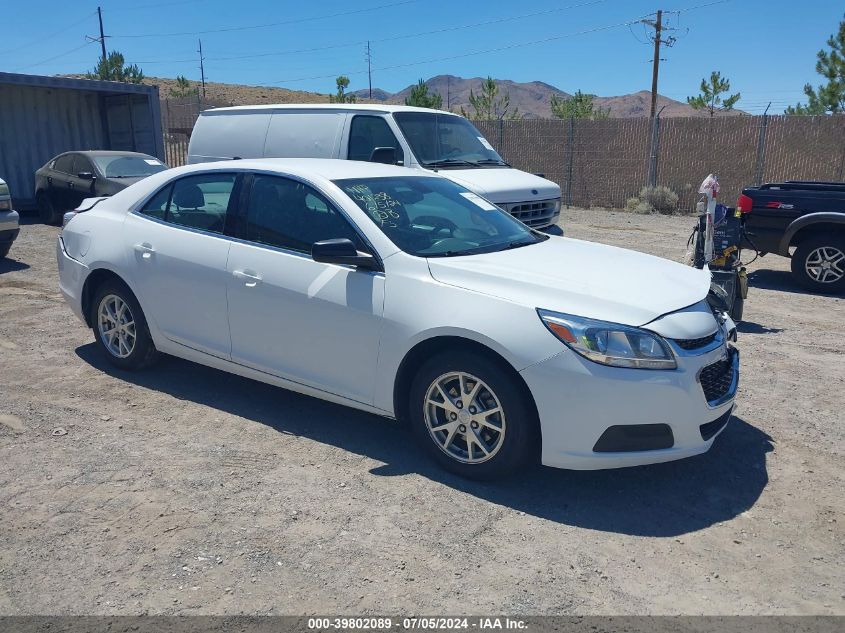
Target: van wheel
{"x":819,"y":263}
{"x":120,"y":327}
{"x":4,"y":250}
{"x":46,"y":210}
{"x":471,"y":417}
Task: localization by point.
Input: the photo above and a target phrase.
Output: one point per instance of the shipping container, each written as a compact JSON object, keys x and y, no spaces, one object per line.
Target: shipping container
{"x":41,"y":117}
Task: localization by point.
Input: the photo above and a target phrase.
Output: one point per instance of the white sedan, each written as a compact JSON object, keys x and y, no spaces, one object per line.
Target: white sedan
{"x":408,"y":296}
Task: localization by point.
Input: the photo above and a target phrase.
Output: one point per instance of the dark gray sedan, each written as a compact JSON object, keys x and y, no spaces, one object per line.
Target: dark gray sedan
{"x":66,"y":180}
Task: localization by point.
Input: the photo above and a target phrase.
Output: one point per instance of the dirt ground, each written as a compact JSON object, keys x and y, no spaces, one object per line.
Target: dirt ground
{"x":184,"y":490}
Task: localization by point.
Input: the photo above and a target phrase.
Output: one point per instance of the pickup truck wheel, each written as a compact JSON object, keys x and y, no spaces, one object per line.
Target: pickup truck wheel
{"x":46,"y":210}
{"x":471,"y":417}
{"x":819,"y":264}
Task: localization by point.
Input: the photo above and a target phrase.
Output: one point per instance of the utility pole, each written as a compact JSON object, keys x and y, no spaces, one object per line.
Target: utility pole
{"x":448,"y":93}
{"x":202,"y":70}
{"x":102,"y":41}
{"x":659,"y":28}
{"x":369,"y":69}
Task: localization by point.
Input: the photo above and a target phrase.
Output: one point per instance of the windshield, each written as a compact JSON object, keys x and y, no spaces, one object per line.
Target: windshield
{"x":434,"y":217}
{"x":445,"y":140}
{"x":128,"y":166}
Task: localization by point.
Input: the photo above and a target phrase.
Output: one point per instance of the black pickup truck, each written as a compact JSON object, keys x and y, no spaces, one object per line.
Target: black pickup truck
{"x":802,"y":220}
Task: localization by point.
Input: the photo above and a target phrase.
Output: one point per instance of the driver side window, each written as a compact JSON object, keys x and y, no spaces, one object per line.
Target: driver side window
{"x":289,"y":214}
{"x":369,"y":132}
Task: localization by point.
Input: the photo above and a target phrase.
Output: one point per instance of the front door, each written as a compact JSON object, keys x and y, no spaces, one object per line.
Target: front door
{"x":178,"y":252}
{"x":313,"y":323}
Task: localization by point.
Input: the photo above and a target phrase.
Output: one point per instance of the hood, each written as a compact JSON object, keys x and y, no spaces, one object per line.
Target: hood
{"x":503,"y":185}
{"x":579,"y":278}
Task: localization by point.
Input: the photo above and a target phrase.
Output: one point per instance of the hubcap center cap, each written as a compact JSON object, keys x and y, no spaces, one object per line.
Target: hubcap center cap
{"x":464,"y":416}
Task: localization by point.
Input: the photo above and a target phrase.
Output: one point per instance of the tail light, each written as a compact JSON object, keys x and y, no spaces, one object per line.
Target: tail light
{"x":745,"y":203}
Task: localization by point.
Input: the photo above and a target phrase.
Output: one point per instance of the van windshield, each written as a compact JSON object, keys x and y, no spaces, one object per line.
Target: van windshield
{"x":434,"y":217}
{"x":446,"y":141}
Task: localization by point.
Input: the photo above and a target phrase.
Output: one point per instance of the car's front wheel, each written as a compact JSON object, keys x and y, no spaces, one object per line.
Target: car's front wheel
{"x":120,"y":327}
{"x":819,"y":263}
{"x":471,"y":415}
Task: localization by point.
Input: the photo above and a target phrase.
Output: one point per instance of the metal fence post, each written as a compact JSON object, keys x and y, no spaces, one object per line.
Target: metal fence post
{"x":571,"y":145}
{"x":761,"y":149}
{"x":501,"y":132}
{"x":655,"y":150}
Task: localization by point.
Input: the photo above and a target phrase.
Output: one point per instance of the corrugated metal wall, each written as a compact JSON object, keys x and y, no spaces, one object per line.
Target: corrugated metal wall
{"x":38,"y":123}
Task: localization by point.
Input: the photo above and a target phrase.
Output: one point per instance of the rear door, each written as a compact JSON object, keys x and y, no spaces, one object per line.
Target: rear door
{"x":178,"y":248}
{"x":58,"y":182}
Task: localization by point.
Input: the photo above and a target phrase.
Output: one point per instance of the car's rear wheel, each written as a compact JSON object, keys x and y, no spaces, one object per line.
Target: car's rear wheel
{"x":819,"y":263}
{"x":46,"y":211}
{"x":470,"y":414}
{"x":120,"y":327}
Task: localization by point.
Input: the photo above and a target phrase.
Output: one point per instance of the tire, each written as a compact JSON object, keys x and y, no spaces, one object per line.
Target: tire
{"x":121,"y":349}
{"x":737,"y":309}
{"x":509,"y":449}
{"x":46,"y":210}
{"x":4,"y":249}
{"x":818,"y":263}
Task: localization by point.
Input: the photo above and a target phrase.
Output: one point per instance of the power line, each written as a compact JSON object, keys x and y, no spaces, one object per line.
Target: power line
{"x":472,"y":53}
{"x":394,"y":38}
{"x":272,"y":24}
{"x":49,"y":59}
{"x":51,"y":36}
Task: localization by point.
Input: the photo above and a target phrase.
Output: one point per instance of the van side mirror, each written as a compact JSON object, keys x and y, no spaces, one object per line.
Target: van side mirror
{"x":386,"y":155}
{"x":342,"y":251}
{"x":85,"y":175}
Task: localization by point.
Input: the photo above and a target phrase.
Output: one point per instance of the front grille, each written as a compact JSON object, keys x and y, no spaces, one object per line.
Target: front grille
{"x":716,"y":379}
{"x":538,"y":213}
{"x":695,"y":343}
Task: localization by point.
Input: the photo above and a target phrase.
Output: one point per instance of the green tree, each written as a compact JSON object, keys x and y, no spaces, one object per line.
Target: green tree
{"x":114,"y":68}
{"x":489,"y":105}
{"x":341,"y":96}
{"x":578,"y":106}
{"x":711,"y":99}
{"x":421,"y":98}
{"x":183,"y":88}
{"x":828,"y":98}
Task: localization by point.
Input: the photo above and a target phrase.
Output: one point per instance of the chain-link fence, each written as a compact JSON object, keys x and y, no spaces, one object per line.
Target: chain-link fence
{"x":603,"y":163}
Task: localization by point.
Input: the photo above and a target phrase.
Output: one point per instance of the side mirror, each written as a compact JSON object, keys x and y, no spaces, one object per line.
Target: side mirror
{"x":342,"y":251}
{"x":386,"y":155}
{"x":85,"y":175}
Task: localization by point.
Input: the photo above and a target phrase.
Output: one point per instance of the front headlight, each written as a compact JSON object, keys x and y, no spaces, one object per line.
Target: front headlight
{"x":557,"y":207}
{"x":5,"y":205}
{"x":610,"y":343}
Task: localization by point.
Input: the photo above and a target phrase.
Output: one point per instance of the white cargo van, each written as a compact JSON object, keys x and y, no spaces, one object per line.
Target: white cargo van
{"x":417,"y":138}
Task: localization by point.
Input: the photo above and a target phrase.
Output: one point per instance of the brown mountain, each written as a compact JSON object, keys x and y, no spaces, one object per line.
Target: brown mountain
{"x":532,"y":98}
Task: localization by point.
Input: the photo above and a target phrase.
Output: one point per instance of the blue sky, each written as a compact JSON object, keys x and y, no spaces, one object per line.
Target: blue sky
{"x":766,"y":48}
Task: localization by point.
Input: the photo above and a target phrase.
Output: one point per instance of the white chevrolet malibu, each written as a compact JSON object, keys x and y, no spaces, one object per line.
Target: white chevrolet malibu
{"x":408,"y":296}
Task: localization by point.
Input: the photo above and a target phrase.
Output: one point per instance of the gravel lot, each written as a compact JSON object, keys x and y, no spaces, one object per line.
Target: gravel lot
{"x":185,"y":490}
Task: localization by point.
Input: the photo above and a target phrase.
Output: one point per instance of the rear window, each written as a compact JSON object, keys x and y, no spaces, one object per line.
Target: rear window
{"x":128,"y":166}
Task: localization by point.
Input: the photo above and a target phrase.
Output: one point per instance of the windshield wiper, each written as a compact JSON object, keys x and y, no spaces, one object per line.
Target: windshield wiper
{"x":517,"y":244}
{"x":446,"y":162}
{"x":493,"y":161}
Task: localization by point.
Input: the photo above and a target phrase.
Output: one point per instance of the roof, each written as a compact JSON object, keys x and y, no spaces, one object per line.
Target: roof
{"x":337,"y":107}
{"x":328,"y":168}
{"x":108,"y":152}
{"x":94,"y":85}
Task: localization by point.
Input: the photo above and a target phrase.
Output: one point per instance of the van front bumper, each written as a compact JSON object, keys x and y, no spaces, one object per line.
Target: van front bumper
{"x":593,"y":416}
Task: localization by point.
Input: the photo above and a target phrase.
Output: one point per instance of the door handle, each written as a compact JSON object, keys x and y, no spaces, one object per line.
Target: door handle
{"x":145,"y":249}
{"x":70,"y":185}
{"x":250,"y":279}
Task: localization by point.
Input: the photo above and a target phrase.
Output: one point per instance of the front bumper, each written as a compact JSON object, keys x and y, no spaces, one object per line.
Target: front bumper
{"x":9,"y":227}
{"x":72,"y":276}
{"x":585,"y":406}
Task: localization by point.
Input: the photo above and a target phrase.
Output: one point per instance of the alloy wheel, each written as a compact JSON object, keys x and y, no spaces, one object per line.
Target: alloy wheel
{"x":116,"y":326}
{"x":464,"y":417}
{"x":825,"y":265}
